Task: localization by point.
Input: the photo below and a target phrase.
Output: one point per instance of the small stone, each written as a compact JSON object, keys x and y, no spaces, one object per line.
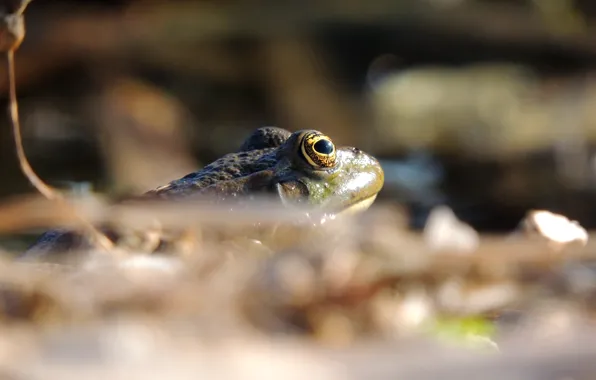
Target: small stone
{"x":443,"y":231}
{"x":554,"y":227}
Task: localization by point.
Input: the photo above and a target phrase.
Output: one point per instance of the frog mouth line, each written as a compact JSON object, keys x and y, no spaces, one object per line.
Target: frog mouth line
{"x":360,"y":206}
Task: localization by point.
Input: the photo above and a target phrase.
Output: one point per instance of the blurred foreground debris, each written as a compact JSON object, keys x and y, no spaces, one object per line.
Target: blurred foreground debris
{"x":362,"y":253}
{"x":129,"y":350}
{"x":310,"y":281}
{"x":444,"y":231}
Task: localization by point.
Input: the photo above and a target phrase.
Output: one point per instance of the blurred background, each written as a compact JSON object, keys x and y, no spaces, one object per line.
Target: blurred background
{"x":483,"y":105}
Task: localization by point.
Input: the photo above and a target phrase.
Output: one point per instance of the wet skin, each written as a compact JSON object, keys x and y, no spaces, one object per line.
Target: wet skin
{"x":303,"y":167}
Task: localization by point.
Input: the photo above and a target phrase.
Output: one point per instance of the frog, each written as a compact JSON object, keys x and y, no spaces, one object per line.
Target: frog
{"x":304,"y":167}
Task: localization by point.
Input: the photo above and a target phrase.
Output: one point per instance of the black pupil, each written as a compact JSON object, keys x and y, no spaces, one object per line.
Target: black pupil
{"x":323,"y":146}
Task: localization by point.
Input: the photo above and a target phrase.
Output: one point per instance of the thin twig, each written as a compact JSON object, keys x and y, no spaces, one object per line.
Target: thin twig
{"x":37,"y":182}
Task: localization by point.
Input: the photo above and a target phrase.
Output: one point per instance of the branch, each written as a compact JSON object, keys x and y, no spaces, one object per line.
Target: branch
{"x":12,"y":33}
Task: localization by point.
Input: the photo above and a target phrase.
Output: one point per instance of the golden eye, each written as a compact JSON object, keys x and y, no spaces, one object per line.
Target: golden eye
{"x":318,"y":150}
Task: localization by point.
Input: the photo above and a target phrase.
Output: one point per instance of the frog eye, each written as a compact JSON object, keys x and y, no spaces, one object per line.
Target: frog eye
{"x":318,"y":150}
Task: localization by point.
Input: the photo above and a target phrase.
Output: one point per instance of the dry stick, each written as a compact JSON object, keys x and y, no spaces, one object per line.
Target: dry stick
{"x":37,"y":182}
